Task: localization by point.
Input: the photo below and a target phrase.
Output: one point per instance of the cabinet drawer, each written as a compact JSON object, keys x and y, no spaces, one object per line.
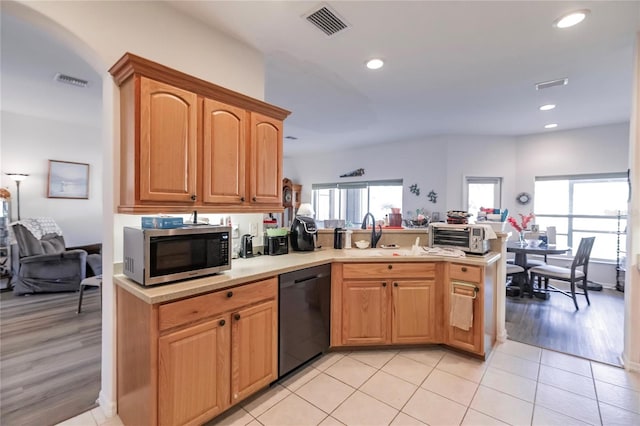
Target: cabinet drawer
{"x":200,"y":307}
{"x":467,"y":273}
{"x":388,"y":270}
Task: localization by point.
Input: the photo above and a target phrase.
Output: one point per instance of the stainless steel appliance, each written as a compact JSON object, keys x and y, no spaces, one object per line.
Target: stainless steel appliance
{"x":337,"y":238}
{"x":275,"y":245}
{"x":246,"y":246}
{"x":304,"y":316}
{"x":157,"y":256}
{"x":303,"y":234}
{"x":468,"y":238}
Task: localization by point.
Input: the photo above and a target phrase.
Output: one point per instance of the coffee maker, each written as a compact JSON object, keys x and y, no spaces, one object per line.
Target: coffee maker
{"x":246,"y":246}
{"x":303,"y":234}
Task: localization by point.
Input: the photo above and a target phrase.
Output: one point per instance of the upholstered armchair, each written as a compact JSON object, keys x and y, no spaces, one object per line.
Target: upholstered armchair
{"x":43,"y":264}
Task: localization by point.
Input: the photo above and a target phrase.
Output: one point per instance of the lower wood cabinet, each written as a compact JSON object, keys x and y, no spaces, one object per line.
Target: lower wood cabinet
{"x":378,"y":305}
{"x":467,"y":280}
{"x":193,"y":372}
{"x":184,"y":362}
{"x":414,"y":316}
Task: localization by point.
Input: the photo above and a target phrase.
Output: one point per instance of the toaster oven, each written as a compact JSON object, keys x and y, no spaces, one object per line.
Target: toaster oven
{"x":468,"y":238}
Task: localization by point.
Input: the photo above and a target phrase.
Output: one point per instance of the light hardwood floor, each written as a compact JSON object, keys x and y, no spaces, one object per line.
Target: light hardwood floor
{"x":49,"y":357}
{"x":594,"y":332}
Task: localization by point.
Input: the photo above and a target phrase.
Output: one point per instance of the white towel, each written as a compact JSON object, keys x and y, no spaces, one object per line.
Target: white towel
{"x":461,"y":311}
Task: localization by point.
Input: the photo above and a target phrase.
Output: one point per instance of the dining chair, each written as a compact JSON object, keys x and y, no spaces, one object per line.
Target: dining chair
{"x":513,"y":270}
{"x":571,"y":275}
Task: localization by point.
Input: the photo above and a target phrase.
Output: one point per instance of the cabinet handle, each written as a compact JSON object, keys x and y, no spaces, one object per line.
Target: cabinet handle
{"x":390,"y":267}
{"x":222,"y":323}
{"x":464,"y":269}
{"x":395,"y":284}
{"x":229,"y":294}
{"x":193,"y":197}
{"x":236,"y":317}
{"x":384,"y":284}
{"x":242,"y":199}
{"x":254,"y":199}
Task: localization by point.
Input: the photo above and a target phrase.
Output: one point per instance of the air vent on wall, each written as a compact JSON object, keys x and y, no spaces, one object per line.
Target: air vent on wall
{"x":67,"y":79}
{"x":327,"y":20}
{"x":552,"y":83}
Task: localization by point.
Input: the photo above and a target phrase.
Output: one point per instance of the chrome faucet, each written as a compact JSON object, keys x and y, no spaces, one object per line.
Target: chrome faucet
{"x":375,"y":237}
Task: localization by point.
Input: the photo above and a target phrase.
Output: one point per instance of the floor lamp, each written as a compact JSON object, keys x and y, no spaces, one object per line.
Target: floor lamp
{"x":17,"y":178}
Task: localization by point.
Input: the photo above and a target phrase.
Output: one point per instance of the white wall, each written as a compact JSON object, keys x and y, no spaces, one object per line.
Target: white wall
{"x":419,"y":162}
{"x":28,"y":143}
{"x":600,"y":149}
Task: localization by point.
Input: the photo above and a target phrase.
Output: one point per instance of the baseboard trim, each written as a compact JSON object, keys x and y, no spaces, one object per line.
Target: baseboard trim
{"x":629,"y":365}
{"x":108,"y":406}
{"x":501,"y":337}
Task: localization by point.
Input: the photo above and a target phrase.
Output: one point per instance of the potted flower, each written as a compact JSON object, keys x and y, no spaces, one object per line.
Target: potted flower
{"x":522,"y":226}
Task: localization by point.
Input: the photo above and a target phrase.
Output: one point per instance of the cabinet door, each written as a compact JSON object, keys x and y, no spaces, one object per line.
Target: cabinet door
{"x":254,"y":349}
{"x":168,"y":142}
{"x":223,"y":166}
{"x":364,"y":312}
{"x":414,"y":319}
{"x":265,"y":172}
{"x":193,"y":373}
{"x":470,"y":340}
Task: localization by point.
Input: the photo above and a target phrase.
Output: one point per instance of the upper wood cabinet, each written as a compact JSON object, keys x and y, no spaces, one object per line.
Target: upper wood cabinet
{"x":189,"y":144}
{"x":168,"y":142}
{"x":266,"y":160}
{"x":224,"y":157}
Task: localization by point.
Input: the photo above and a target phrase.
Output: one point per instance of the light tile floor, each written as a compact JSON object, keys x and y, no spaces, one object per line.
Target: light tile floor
{"x":518,"y":385}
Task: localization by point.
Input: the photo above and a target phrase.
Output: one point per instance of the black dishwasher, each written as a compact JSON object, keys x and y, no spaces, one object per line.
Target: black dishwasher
{"x":304,"y":316}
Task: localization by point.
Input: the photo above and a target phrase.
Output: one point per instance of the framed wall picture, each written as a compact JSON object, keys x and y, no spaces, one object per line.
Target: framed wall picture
{"x":68,"y":180}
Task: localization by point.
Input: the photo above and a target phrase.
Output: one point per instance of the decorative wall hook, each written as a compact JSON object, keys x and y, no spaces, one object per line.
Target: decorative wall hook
{"x":414,"y":189}
{"x":433,"y":196}
{"x":358,"y":172}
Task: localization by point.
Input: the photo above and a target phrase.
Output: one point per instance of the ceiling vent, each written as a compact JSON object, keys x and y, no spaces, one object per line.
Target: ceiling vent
{"x":67,"y":79}
{"x":552,"y":83}
{"x":327,"y":20}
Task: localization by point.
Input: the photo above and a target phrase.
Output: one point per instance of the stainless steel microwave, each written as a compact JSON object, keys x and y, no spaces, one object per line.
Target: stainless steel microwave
{"x":158,"y":256}
{"x":468,"y":238}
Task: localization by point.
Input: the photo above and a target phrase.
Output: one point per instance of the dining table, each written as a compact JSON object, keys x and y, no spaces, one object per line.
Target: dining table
{"x":521,"y":251}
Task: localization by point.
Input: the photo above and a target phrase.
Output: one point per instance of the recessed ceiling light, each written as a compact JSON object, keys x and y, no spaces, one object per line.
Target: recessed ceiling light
{"x":547,"y":107}
{"x":374,"y":64}
{"x":571,"y":19}
{"x":551,"y":126}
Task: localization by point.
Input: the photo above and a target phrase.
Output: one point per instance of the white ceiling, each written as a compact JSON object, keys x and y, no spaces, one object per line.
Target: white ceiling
{"x":457,"y":67}
{"x":29,"y":62}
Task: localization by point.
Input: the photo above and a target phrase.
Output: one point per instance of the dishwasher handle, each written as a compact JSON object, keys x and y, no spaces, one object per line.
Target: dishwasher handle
{"x":312,"y":277}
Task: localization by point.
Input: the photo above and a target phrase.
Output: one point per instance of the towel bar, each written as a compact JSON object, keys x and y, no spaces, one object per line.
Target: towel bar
{"x":458,"y":283}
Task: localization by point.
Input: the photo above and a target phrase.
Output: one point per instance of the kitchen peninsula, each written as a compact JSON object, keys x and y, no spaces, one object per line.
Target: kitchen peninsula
{"x":183,"y":349}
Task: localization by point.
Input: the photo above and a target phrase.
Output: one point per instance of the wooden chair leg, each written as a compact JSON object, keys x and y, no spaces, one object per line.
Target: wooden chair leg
{"x":573,"y":294}
{"x":80,"y":300}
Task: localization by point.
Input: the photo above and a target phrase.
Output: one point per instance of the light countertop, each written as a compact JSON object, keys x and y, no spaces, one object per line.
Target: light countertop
{"x":260,"y":267}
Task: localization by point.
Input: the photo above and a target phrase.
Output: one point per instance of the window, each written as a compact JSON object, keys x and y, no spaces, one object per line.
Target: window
{"x":351,"y":201}
{"x":483,"y":192}
{"x":583,"y":206}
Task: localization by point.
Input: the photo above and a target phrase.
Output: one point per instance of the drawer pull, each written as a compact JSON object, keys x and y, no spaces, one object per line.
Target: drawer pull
{"x":384,"y":284}
{"x":193,"y":198}
{"x":242,"y":199}
{"x":395,"y":284}
{"x":230,"y":294}
{"x":222,"y":323}
{"x":254,"y":199}
{"x":236,"y":317}
{"x":390,"y":267}
{"x":463,"y":269}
